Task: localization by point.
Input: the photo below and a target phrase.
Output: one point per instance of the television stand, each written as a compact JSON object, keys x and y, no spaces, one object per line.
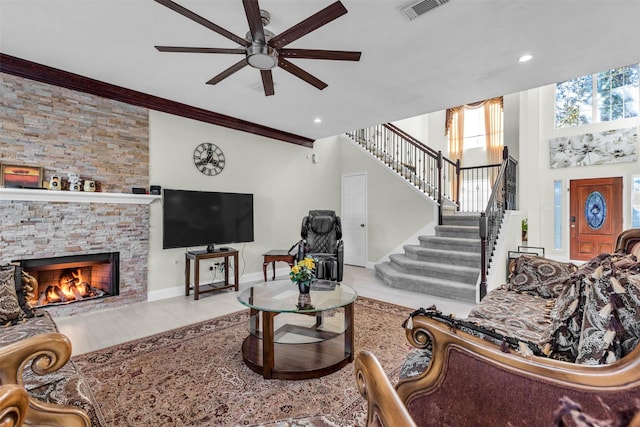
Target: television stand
{"x":198,"y":256}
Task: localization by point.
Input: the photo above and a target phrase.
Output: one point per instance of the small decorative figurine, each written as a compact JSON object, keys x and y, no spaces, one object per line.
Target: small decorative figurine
{"x":75,"y":184}
{"x":89,"y":185}
{"x":55,"y":183}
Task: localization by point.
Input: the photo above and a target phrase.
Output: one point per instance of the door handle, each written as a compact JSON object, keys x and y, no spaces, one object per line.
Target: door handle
{"x":361,"y":225}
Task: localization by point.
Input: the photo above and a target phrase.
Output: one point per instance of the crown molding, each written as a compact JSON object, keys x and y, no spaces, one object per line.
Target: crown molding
{"x":45,"y":74}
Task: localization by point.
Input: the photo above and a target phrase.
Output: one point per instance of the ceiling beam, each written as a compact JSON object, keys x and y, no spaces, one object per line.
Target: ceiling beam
{"x":42,"y":73}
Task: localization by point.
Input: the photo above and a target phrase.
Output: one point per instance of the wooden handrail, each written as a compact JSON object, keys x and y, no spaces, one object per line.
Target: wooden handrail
{"x":393,"y":128}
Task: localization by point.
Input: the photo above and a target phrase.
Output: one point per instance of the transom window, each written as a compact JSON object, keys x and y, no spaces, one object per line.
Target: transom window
{"x":474,"y":128}
{"x":606,"y":96}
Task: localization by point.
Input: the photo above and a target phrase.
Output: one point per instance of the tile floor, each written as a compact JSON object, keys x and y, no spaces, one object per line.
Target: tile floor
{"x":95,"y":330}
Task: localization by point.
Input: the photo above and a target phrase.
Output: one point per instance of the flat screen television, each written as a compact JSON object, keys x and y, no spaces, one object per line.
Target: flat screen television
{"x":198,"y":218}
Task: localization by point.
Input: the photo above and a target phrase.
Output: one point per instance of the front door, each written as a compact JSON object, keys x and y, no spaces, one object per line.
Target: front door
{"x":595,"y":216}
{"x":354,"y":218}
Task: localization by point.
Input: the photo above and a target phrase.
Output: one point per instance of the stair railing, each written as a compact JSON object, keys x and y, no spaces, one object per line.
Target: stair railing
{"x":475,"y":186}
{"x":440,"y":178}
{"x":503,"y":198}
{"x":418,"y":163}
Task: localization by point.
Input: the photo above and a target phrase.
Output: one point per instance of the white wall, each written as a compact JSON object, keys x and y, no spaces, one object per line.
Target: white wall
{"x":537,"y":177}
{"x":285,"y":182}
{"x":396,"y":212}
{"x":417,"y":127}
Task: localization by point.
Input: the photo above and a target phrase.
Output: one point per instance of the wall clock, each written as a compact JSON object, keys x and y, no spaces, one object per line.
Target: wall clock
{"x":208,"y":158}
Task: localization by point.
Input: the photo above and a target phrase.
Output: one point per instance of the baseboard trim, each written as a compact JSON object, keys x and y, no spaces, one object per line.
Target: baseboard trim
{"x":245,"y":280}
{"x":165,"y":293}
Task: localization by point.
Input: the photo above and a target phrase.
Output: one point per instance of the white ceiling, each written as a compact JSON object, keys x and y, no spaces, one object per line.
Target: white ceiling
{"x":463,"y":51}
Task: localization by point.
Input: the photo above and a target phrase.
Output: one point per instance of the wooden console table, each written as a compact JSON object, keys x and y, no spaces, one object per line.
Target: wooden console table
{"x":198,"y":256}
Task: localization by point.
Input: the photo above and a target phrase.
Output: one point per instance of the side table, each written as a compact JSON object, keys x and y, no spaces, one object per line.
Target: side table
{"x":198,"y":256}
{"x":274,"y":256}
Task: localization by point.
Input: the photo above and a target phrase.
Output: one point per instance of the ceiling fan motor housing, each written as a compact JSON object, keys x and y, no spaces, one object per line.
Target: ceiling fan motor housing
{"x":262,"y":57}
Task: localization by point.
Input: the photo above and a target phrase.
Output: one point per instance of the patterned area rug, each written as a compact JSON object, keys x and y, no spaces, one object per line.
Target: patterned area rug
{"x":195,"y":376}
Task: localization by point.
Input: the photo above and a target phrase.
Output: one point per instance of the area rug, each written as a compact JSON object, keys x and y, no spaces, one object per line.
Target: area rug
{"x":195,"y":376}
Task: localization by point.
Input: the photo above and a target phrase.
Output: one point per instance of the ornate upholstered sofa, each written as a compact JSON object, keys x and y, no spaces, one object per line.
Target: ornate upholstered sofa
{"x":535,"y":361}
{"x":35,"y":358}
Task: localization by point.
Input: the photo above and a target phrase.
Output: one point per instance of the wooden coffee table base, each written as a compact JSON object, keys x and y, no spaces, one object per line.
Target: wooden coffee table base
{"x":294,"y":363}
{"x":298,"y":361}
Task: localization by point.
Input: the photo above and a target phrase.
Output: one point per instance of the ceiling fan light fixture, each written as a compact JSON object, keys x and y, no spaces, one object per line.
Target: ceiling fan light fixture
{"x":262,"y":57}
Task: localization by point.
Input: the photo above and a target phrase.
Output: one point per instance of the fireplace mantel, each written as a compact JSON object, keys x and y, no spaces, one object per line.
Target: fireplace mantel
{"x":19,"y":194}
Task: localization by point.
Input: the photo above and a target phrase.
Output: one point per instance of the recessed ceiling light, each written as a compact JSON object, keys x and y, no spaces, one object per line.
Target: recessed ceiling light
{"x":525,"y":58}
{"x":317,"y":120}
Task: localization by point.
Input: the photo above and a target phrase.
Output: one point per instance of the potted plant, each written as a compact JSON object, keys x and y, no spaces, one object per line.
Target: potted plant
{"x":303,"y":273}
{"x":525,"y":228}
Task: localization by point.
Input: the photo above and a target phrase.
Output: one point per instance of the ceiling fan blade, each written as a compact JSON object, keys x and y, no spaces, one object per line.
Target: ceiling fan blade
{"x":337,"y":55}
{"x":310,"y":24}
{"x":226,"y":73}
{"x":198,"y":49}
{"x":202,"y":21}
{"x":267,"y":82}
{"x":300,"y":73}
{"x":252,"y":10}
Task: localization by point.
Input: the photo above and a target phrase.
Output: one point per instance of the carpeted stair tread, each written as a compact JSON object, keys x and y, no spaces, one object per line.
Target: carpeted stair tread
{"x":427,"y":285}
{"x":457,"y":227}
{"x":458,"y":231}
{"x":434,"y":269}
{"x":451,"y":257}
{"x":451,"y":243}
{"x":460,"y":218}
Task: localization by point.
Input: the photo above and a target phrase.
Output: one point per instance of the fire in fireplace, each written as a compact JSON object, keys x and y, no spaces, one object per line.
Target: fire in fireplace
{"x":70,"y":287}
{"x":63,"y":280}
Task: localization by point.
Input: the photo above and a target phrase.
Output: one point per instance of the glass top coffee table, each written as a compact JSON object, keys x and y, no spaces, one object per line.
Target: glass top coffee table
{"x":292,"y":337}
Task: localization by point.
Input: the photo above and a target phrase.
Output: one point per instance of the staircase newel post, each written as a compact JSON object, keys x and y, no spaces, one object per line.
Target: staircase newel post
{"x":457,"y":198}
{"x":440,"y":187}
{"x":483,"y":255}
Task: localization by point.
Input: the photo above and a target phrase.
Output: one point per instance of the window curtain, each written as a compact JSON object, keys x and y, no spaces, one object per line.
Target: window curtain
{"x":494,"y":133}
{"x":455,"y":130}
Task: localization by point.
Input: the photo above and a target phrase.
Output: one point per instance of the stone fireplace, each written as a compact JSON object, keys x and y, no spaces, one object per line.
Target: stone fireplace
{"x":66,"y":230}
{"x":73,"y":279}
{"x":64,"y":131}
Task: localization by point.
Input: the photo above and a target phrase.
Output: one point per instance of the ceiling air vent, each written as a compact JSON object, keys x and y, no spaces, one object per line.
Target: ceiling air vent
{"x":418,"y":7}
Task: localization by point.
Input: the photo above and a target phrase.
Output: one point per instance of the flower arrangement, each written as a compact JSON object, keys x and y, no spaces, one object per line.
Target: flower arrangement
{"x":303,"y":270}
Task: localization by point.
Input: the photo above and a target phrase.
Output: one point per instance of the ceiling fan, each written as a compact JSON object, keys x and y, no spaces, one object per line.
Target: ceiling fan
{"x":264,"y":50}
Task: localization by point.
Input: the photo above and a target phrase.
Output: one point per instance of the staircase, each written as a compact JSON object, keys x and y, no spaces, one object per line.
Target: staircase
{"x":446,"y":265}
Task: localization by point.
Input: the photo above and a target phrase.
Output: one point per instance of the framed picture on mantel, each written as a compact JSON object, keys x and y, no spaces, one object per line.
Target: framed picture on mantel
{"x":18,"y":176}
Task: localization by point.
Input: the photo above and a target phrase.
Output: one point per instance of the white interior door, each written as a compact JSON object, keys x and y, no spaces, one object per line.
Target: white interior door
{"x":354,"y":218}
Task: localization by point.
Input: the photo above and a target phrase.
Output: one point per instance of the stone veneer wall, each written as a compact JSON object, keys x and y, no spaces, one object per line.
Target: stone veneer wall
{"x":42,"y":230}
{"x":100,"y":139}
